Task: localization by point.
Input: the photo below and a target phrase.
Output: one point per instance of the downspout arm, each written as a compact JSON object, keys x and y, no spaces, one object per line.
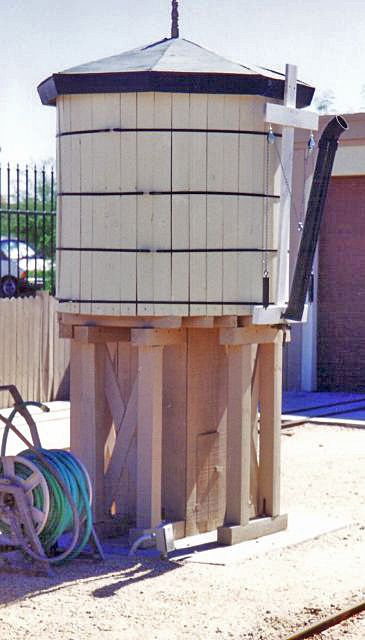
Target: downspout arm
{"x":327,"y":150}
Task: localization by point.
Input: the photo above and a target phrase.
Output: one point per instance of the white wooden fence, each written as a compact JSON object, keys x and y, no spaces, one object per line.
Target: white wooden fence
{"x":32,"y":356}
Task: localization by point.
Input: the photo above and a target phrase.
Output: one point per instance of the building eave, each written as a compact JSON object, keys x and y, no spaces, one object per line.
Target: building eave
{"x":207,"y":83}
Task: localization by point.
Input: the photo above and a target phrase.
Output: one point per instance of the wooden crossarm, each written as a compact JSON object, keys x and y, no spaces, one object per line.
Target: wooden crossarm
{"x":157,"y":337}
{"x":254,"y":334}
{"x":97,"y":335}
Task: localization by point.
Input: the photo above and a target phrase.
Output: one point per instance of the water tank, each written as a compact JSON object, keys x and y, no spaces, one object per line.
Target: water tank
{"x":168,"y":190}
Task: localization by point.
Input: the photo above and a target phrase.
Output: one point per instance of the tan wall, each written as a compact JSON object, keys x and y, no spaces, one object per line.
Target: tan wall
{"x":350,"y":161}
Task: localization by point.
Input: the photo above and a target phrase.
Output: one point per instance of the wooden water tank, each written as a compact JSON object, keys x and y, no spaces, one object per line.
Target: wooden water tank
{"x":168,"y":189}
{"x":168,"y":220}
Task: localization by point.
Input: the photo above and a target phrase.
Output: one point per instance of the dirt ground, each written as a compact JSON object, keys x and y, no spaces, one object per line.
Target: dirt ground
{"x":266,"y":596}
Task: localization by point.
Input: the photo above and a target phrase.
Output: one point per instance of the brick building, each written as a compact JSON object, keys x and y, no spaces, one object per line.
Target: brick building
{"x":328,"y":352}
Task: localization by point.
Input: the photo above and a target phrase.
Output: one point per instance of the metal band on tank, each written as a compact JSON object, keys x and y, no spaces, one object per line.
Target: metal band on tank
{"x":129,"y":250}
{"x":163,"y":130}
{"x":189,"y":302}
{"x":169,"y":193}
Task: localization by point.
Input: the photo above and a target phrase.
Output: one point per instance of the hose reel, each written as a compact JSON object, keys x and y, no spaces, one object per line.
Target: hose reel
{"x":44,"y":494}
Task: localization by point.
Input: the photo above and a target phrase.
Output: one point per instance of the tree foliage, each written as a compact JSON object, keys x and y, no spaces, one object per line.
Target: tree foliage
{"x":324,"y":102}
{"x":28,"y":204}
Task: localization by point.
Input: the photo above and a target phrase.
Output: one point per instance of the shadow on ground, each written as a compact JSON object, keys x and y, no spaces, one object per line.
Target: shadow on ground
{"x":19,"y":581}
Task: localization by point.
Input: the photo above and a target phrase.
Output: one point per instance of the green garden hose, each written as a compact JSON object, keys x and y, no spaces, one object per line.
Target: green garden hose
{"x":70,"y":500}
{"x":61,"y":517}
{"x":66,"y":481}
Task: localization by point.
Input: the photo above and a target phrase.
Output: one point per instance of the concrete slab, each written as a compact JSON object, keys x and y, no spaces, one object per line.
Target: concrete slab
{"x":204,"y":549}
{"x":302,"y":527}
{"x":53,"y":427}
{"x":334,"y":405}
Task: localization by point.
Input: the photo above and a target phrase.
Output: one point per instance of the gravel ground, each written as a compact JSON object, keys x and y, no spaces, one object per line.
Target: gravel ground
{"x":352,"y":628}
{"x":265,"y":597}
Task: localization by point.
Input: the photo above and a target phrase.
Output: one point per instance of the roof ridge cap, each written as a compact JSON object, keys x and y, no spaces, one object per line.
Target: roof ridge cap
{"x":153,"y":44}
{"x":170,"y":41}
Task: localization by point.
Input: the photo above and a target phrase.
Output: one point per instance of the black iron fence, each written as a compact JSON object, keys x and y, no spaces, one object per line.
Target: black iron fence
{"x":27,"y":230}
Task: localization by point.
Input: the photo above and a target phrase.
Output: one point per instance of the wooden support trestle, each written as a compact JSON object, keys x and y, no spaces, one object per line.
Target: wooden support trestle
{"x":166,"y":421}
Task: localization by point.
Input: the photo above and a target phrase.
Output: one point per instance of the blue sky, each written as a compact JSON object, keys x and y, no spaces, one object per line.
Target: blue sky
{"x":325,"y":40}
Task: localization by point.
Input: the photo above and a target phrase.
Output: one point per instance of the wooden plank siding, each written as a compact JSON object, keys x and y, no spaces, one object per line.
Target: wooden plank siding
{"x":128,"y":206}
{"x":161,"y":205}
{"x":206,"y":414}
{"x":198,"y":205}
{"x":32,"y":356}
{"x":166,"y":269}
{"x":230,"y":144}
{"x":65,"y":216}
{"x":181,"y":150}
{"x":105,"y":216}
{"x":145,"y":141}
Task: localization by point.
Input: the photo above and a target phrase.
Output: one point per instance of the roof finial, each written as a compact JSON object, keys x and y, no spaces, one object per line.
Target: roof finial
{"x":175,"y":19}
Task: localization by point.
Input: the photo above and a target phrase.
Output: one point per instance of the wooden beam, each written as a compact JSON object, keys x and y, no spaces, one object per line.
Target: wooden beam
{"x":157,"y":337}
{"x":291,"y":117}
{"x":238,"y":435}
{"x":254,"y":529}
{"x":244,"y":321}
{"x":225,"y":321}
{"x":287,"y":153}
{"x":96,"y":335}
{"x":65,"y":330}
{"x":270,"y":428}
{"x":113,"y":392}
{"x":254,"y":466}
{"x":162,"y":322}
{"x":149,"y":437}
{"x":123,"y":442}
{"x":269,"y":315}
{"x":253,"y":334}
{"x":198,"y":322}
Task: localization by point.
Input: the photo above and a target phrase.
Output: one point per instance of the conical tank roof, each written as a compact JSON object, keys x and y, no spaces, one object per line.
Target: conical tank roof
{"x":172,"y":64}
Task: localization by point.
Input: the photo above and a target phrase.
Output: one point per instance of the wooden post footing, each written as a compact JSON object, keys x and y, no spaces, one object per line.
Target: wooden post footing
{"x":255,"y":528}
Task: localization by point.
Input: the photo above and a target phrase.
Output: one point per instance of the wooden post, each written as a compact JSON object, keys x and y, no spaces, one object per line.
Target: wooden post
{"x":149,"y":437}
{"x":238,"y":435}
{"x":270,"y":428}
{"x":90,"y":417}
{"x":287,"y":150}
{"x":238,"y":524}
